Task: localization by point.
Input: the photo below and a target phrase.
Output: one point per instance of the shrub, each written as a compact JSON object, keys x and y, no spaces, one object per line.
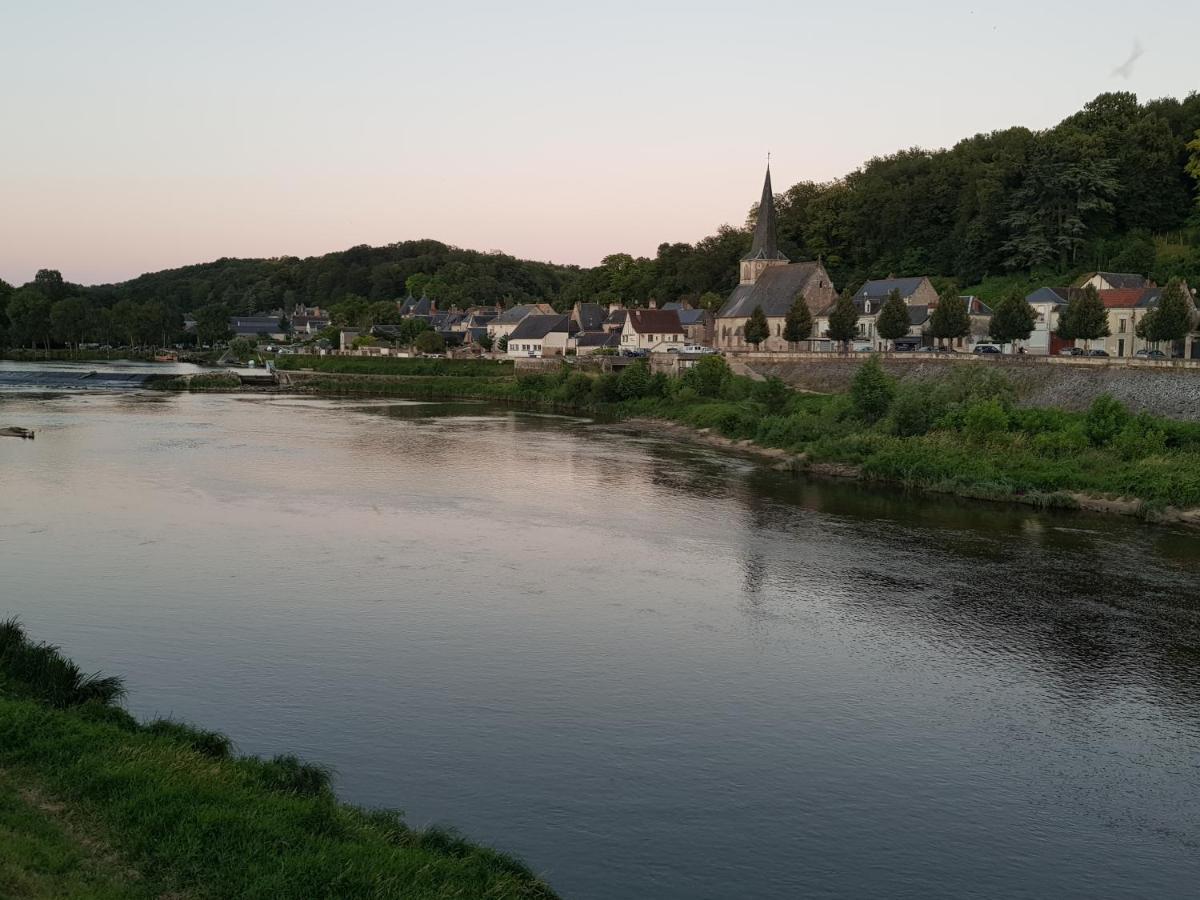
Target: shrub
{"x":708,"y":375}
{"x":1105,"y":419}
{"x":430,"y":342}
{"x":634,"y":381}
{"x":43,"y":673}
{"x":984,"y":419}
{"x":913,"y":412}
{"x":773,"y":394}
{"x":604,"y":389}
{"x":576,"y":390}
{"x":871,"y":391}
{"x":1140,"y":438}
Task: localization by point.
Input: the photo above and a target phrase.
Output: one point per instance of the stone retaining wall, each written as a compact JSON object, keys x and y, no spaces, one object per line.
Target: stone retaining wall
{"x":1164,"y":388}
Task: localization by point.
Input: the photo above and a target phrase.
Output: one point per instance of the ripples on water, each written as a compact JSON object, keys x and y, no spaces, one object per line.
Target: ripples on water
{"x":651,"y":670}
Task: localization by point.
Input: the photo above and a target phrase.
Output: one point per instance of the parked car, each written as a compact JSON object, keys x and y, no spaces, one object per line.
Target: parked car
{"x":697,"y":348}
{"x":1149,"y":354}
{"x":635,"y":353}
{"x":862,"y":348}
{"x":989,"y":349}
{"x":1097,"y":353}
{"x":1071,"y":351}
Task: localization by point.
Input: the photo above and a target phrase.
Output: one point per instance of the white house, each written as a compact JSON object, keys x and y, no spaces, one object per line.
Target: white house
{"x":533,"y":336}
{"x":652,"y":329}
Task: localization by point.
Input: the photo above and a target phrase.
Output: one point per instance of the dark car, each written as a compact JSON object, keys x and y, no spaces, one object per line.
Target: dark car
{"x":982,"y":349}
{"x":1071,"y":351}
{"x":1149,"y":354}
{"x":1097,"y":353}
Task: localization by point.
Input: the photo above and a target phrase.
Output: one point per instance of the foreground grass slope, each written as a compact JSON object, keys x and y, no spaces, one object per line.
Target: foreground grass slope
{"x":172,"y":804}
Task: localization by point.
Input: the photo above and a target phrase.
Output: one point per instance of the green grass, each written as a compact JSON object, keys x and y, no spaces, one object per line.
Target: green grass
{"x":205,"y":381}
{"x":174,"y":803}
{"x":388,"y":365}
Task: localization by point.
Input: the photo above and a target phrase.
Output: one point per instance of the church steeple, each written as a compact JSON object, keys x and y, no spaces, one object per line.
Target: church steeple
{"x":764,"y":251}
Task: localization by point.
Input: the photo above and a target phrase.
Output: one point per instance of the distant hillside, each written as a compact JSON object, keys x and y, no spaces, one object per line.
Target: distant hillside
{"x":1111,"y":187}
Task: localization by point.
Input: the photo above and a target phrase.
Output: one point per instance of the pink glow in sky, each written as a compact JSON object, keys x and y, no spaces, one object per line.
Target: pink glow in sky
{"x":140,"y":136}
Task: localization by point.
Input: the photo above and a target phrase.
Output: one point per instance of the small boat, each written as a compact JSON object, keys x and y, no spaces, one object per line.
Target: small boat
{"x":17,"y":432}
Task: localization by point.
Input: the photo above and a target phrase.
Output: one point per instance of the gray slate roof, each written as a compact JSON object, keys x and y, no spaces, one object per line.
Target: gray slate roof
{"x":765,"y":245}
{"x":591,"y":316}
{"x":776,"y":290}
{"x":514,"y":315}
{"x":534,"y":328}
{"x":691,"y":316}
{"x":1057,"y":296}
{"x":879,"y":290}
{"x":1124,"y":281}
{"x":918,"y":314}
{"x":597,"y":339}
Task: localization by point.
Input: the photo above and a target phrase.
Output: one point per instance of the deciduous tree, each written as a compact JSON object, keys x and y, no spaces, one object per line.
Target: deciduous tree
{"x":799,"y":322}
{"x":756,"y":329}
{"x":892,"y":322}
{"x":843,"y":321}
{"x":1012,"y":320}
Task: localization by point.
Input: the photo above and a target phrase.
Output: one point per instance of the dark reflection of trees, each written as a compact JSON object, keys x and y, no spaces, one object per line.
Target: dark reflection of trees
{"x":1089,"y":601}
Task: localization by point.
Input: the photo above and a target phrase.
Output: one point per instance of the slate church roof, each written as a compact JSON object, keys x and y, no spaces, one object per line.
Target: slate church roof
{"x":775,"y":291}
{"x":765,"y":245}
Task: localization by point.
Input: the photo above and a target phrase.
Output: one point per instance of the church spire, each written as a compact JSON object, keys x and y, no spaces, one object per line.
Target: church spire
{"x":765,"y":244}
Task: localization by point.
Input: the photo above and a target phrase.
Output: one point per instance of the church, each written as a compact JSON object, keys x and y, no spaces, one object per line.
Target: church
{"x":768,"y":280}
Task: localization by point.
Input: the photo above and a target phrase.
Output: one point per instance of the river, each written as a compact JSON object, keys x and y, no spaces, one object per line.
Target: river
{"x":650,"y":670}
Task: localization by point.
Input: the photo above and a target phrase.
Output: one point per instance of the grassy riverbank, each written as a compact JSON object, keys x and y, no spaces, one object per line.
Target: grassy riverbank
{"x":965,"y":434}
{"x":391,"y":365}
{"x":95,"y":805}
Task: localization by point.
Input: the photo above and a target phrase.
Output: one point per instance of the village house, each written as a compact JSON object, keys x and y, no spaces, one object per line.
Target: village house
{"x":1048,"y":305}
{"x":504,"y":324}
{"x":589,"y":342}
{"x":1126,"y":308}
{"x":1113,"y":281}
{"x":614,"y":322}
{"x":697,"y":323}
{"x":588,"y":316}
{"x":257,"y":327}
{"x":529,"y":336}
{"x":767,"y":279}
{"x":654,"y":330}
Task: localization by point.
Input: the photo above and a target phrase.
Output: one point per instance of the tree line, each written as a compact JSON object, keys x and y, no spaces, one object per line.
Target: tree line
{"x":1111,"y":187}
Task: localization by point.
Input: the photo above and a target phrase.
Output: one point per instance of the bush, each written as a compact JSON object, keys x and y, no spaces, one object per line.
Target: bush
{"x":40,"y":671}
{"x":913,"y":412}
{"x":773,"y":394}
{"x":290,"y":775}
{"x":871,"y":391}
{"x":430,"y":342}
{"x":1105,"y":419}
{"x":984,"y":419}
{"x":605,"y":390}
{"x":708,"y":375}
{"x":634,"y":381}
{"x":576,"y":390}
{"x":1140,"y":438}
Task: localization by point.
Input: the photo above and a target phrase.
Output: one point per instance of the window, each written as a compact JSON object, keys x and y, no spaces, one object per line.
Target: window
{"x":1123,"y":326}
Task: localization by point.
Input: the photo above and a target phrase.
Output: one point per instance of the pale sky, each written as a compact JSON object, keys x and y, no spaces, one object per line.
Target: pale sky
{"x":136,"y":136}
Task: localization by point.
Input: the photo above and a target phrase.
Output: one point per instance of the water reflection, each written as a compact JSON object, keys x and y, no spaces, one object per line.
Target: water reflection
{"x":699,"y":677}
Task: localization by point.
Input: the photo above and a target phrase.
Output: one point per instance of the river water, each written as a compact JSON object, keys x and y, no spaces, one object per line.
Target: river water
{"x":650,"y":670}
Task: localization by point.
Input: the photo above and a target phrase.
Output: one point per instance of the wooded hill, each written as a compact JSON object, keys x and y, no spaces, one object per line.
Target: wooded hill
{"x":1111,"y":187}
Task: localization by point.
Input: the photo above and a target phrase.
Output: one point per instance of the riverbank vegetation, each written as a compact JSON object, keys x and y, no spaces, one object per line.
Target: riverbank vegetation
{"x":94,"y":804}
{"x":965,"y":434}
{"x":395,"y":365}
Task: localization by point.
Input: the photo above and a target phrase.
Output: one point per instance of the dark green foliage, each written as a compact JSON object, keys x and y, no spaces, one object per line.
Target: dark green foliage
{"x":1012,"y":320}
{"x":798,"y":324}
{"x":634,"y":381}
{"x":288,"y":774}
{"x":430,"y":342}
{"x":950,"y":319}
{"x":606,"y":388}
{"x":398,"y":365}
{"x":773,"y":394}
{"x":843,"y":320}
{"x":1085,"y":317}
{"x":208,"y":743}
{"x":871,"y":391}
{"x":1106,"y":418}
{"x":756,"y":330}
{"x":913,"y":412}
{"x":984,"y":419}
{"x":41,"y":672}
{"x":892,"y":322}
{"x":707,"y":376}
{"x":1172,"y":319}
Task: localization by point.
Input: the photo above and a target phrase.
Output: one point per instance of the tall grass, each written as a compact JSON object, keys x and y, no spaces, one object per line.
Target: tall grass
{"x":396,"y":365}
{"x":174,"y":801}
{"x":40,"y":671}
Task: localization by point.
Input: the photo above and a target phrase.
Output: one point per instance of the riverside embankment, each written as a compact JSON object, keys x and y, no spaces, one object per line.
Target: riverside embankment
{"x":961,"y":428}
{"x":95,"y":804}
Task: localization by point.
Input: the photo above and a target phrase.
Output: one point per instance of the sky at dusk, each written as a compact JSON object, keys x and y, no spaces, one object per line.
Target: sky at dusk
{"x":137,"y":136}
